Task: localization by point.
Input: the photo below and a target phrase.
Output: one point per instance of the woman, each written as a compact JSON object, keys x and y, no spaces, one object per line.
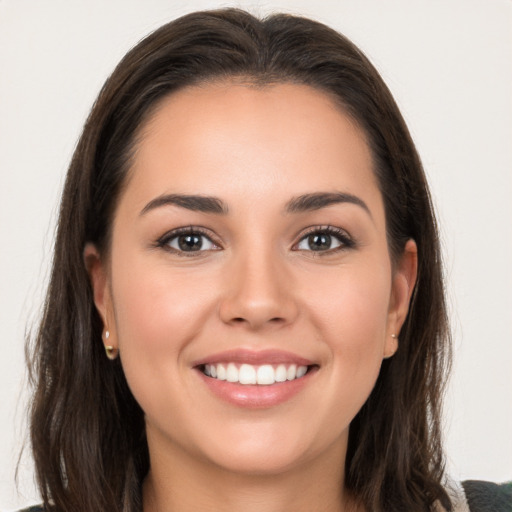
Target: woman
{"x":246,"y":308}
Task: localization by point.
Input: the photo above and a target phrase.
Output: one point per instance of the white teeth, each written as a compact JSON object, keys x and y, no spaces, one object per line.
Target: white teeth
{"x":247,"y":374}
{"x":301,"y":371}
{"x":221,"y":372}
{"x":281,"y":373}
{"x":232,"y":373}
{"x":264,"y":375}
{"x":291,"y":372}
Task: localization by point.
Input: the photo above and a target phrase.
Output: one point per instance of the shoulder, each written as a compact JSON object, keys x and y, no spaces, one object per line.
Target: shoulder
{"x":487,"y":496}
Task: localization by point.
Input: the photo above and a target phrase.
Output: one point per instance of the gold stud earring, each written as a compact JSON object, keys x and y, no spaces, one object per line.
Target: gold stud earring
{"x":395,"y":337}
{"x":110,"y":350}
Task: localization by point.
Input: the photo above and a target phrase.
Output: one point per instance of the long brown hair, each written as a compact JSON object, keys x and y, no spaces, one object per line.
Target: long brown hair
{"x":87,"y":431}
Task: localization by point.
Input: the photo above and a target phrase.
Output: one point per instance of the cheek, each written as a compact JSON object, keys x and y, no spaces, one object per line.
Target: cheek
{"x":157,"y":314}
{"x":352,"y":304}
{"x":155,"y":308}
{"x":350,"y":312}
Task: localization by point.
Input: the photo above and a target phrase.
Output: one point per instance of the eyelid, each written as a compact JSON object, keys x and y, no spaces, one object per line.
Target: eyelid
{"x":345,"y":239}
{"x":163,"y":241}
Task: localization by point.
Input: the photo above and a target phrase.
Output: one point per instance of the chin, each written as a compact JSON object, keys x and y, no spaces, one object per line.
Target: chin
{"x":263,"y":462}
{"x":260,"y":451}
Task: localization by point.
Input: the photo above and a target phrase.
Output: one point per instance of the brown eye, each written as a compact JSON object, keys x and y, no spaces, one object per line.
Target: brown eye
{"x":188,"y":242}
{"x":319,"y":242}
{"x":325,"y":239}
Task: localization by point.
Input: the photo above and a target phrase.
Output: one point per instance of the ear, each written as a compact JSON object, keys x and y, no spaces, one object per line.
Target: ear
{"x":98,"y":274}
{"x":404,"y":280}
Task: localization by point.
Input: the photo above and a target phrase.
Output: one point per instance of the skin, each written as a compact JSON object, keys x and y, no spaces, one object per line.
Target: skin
{"x":259,"y":285}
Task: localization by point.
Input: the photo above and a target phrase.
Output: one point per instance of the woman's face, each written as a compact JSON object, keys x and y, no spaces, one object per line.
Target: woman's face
{"x":249,"y":246}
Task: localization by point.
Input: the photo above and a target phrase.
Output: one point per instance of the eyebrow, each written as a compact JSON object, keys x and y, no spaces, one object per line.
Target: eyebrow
{"x":318,"y":200}
{"x":210,"y":204}
{"x":205,"y":204}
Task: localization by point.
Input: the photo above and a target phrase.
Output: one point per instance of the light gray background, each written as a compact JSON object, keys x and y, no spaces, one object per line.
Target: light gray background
{"x":449,"y":65}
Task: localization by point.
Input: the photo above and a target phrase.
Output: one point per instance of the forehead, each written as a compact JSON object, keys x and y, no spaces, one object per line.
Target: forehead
{"x":234,"y":140}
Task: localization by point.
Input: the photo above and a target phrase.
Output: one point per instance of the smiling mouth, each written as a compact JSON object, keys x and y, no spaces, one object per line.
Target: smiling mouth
{"x":262,"y":375}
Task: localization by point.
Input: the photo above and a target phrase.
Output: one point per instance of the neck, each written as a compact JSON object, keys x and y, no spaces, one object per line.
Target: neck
{"x":187,"y":484}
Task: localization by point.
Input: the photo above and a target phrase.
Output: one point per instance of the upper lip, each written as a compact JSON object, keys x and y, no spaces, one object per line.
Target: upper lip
{"x":254,"y":357}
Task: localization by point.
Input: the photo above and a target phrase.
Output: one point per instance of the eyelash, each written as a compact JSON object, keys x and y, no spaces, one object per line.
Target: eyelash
{"x":345,"y":240}
{"x":164,"y":241}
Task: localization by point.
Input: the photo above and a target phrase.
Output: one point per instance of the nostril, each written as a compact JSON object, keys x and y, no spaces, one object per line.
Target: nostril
{"x":242,"y":320}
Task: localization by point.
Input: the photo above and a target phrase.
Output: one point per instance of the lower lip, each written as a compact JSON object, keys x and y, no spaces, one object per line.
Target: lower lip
{"x":254,"y":396}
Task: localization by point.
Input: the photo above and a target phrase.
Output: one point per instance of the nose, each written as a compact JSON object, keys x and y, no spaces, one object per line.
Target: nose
{"x":259,"y":293}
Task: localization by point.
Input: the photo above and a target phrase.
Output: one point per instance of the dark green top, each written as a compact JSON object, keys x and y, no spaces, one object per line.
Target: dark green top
{"x":488,"y":496}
